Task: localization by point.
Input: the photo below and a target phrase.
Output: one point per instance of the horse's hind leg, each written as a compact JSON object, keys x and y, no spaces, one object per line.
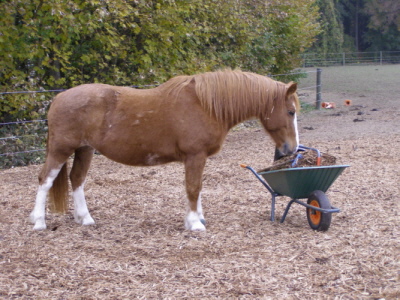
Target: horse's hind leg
{"x":194,"y":166}
{"x":48,"y":174}
{"x":83,"y":157}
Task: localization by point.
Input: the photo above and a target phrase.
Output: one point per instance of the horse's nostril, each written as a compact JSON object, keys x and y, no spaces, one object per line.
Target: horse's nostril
{"x":278,"y":154}
{"x":286,"y":149}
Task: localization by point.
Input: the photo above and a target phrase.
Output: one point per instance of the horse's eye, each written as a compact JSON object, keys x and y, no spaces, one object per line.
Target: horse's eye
{"x":291,"y":113}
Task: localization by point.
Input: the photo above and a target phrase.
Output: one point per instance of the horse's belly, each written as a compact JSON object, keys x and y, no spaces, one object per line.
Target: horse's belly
{"x":138,"y":156}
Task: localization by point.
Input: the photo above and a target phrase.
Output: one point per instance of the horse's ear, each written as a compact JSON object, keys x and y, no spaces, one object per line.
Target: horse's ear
{"x":292,"y":87}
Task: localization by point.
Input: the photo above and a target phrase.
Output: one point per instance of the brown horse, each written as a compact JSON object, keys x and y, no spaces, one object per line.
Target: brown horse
{"x":185,"y":119}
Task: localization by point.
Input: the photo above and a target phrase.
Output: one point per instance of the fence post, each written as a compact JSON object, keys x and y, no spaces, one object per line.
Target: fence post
{"x":318,"y":101}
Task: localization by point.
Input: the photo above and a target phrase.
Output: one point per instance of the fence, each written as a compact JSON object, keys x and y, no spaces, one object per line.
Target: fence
{"x":351,"y":58}
{"x":23,"y":142}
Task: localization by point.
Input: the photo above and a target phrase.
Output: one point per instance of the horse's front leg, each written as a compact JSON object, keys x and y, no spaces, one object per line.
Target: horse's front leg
{"x":194,"y":166}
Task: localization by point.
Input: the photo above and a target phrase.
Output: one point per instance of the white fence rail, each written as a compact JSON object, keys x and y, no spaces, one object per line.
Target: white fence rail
{"x":351,"y":58}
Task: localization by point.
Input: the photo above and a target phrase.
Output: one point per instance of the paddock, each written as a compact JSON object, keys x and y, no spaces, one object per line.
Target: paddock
{"x":140,"y":249}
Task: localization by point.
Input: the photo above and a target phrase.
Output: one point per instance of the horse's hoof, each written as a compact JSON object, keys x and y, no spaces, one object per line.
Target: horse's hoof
{"x":195,"y":226}
{"x":39,"y":222}
{"x":86,"y":220}
{"x":198,"y":226}
{"x":194,"y":222}
{"x":40,"y":226}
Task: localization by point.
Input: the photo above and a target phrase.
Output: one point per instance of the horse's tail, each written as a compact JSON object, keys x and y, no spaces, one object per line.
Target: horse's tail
{"x":58,"y":194}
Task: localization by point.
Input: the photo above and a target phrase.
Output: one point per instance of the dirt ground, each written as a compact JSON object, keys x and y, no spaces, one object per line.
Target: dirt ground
{"x":139,"y":248}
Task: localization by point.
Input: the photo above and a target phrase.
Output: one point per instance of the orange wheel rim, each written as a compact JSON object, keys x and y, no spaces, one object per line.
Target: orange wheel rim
{"x":315,"y":216}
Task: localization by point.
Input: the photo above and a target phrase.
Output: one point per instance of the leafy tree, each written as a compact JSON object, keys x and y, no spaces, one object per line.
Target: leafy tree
{"x":383,"y":31}
{"x":331,"y":38}
{"x":355,"y":23}
{"x":371,"y":24}
{"x":384,"y":14}
{"x":358,"y":25}
{"x":291,"y":27}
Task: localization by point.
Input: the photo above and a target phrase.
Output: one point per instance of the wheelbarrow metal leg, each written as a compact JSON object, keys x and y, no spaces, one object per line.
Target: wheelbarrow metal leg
{"x":287,"y":209}
{"x":273,"y":194}
{"x":273,"y":208}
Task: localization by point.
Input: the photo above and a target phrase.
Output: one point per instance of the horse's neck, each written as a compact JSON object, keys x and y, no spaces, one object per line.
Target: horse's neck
{"x":231,"y":125}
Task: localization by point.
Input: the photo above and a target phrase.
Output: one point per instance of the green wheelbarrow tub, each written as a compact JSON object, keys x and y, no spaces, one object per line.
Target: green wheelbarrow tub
{"x":299,"y":183}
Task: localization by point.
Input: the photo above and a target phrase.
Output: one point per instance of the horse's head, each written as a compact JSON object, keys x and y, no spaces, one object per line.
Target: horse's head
{"x":281,"y":121}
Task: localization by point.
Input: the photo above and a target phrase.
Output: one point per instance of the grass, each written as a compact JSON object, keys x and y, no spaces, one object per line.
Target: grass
{"x":356,"y":79}
{"x":306,"y":107}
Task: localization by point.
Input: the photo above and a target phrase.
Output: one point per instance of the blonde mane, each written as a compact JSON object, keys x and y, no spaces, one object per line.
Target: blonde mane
{"x":233,"y":96}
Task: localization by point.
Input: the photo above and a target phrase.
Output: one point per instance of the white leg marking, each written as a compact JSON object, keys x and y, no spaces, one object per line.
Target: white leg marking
{"x":297,"y":132}
{"x":200,"y":210}
{"x":193,"y":222}
{"x":38,"y":213}
{"x":195,"y":219}
{"x":81,"y":212}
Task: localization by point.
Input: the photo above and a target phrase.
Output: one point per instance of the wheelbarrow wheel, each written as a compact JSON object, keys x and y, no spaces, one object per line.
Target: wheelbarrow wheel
{"x":318,"y":220}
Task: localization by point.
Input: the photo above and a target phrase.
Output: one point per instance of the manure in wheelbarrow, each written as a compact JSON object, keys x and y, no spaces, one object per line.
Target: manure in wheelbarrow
{"x":308,"y":159}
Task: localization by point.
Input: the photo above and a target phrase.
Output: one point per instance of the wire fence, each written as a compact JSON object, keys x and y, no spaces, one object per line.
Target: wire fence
{"x":350,"y":58}
{"x":23,"y":142}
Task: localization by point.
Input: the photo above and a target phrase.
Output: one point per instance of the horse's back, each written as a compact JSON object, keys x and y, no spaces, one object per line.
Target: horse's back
{"x":82,"y":97}
{"x":93,"y":103}
{"x":79,"y":113}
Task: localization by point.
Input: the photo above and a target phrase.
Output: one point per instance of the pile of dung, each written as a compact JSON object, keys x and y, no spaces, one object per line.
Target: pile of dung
{"x":308,"y":159}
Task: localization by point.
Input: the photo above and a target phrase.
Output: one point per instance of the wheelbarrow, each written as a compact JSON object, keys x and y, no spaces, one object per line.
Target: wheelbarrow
{"x":309,"y":183}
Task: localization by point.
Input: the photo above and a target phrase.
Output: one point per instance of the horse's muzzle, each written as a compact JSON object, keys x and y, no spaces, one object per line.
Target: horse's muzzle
{"x":285,"y":150}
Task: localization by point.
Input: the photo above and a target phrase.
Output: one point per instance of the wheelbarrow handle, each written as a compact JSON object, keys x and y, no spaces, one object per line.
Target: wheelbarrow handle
{"x":259,"y":178}
{"x":303,"y":148}
{"x":296,"y":160}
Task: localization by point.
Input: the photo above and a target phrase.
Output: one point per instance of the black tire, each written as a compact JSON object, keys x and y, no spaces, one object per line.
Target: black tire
{"x":317,"y":220}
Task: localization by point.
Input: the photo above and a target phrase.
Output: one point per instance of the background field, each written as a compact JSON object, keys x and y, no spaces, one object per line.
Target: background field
{"x":369,"y":81}
{"x":139,"y":249}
